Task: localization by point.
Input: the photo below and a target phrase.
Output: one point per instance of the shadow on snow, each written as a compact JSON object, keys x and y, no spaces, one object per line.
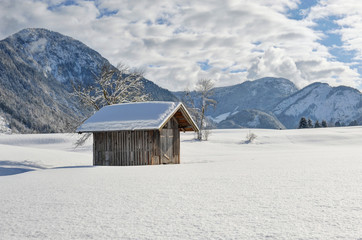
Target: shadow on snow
{"x":11,"y":168}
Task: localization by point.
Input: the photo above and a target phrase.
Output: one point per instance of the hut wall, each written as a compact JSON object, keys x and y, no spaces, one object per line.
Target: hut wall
{"x":126,"y":148}
{"x":129,"y":148}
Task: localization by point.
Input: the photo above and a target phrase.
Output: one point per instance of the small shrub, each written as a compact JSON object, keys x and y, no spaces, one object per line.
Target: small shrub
{"x":250,"y":137}
{"x":205,"y":135}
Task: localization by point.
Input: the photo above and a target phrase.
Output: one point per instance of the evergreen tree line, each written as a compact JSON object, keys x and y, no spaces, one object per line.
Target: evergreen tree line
{"x":304,"y":123}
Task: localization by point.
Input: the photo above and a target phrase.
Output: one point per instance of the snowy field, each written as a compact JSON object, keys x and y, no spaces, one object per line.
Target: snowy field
{"x":288,"y":184}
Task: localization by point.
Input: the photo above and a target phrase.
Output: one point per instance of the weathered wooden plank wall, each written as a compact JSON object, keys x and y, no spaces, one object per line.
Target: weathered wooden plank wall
{"x":170,"y":142}
{"x":176,"y":143}
{"x":126,"y":148}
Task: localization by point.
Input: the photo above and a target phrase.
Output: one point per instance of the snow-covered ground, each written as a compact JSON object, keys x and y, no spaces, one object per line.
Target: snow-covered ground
{"x":288,"y":184}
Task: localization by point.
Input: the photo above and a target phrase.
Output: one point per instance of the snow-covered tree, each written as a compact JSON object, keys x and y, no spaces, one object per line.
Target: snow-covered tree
{"x":112,"y":86}
{"x":203,"y":93}
{"x":317,"y":124}
{"x":204,"y":87}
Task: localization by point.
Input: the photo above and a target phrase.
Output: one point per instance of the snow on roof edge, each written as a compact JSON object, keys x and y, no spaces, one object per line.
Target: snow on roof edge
{"x":169,"y":115}
{"x":106,"y":126}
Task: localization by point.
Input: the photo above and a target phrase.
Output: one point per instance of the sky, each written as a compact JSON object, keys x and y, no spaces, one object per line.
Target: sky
{"x":230,"y":41}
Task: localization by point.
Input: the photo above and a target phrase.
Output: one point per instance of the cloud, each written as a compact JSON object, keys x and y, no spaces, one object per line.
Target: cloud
{"x":347,"y":14}
{"x":275,"y":63}
{"x":238,"y":40}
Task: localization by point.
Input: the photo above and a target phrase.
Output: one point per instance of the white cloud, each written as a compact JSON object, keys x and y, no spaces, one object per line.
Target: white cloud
{"x":239,"y":39}
{"x":275,"y":63}
{"x":348,"y":18}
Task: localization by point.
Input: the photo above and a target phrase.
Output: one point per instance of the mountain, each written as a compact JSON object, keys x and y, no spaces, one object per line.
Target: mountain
{"x":251,"y":119}
{"x":279,"y":103}
{"x":319,"y":101}
{"x":37,"y":67}
{"x":259,"y":96}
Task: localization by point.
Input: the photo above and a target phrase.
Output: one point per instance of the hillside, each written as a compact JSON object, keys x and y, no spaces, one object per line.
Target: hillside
{"x":36,"y":70}
{"x":251,"y":118}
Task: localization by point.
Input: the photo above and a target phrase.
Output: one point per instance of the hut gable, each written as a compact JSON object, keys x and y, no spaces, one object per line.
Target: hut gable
{"x":138,"y":133}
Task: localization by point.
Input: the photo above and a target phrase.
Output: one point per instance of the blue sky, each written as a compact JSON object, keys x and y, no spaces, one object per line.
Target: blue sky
{"x":299,"y":12}
{"x":179,"y":42}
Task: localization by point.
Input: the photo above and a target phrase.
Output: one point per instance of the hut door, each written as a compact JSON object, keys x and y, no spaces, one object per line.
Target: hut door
{"x":167,"y":145}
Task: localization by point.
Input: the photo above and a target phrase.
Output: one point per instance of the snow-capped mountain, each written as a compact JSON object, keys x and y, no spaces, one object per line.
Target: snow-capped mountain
{"x":37,"y":67}
{"x":261,"y":94}
{"x":319,"y":101}
{"x":56,"y":55}
{"x":258,"y":97}
{"x":279,"y":103}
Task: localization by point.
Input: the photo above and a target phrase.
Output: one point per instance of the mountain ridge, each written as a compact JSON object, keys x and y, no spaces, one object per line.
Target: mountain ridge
{"x":252,"y":97}
{"x":278,"y":98}
{"x":251,"y":118}
{"x":37,"y":67}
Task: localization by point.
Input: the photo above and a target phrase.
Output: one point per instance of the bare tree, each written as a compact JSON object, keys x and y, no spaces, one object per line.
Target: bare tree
{"x":205,"y":88}
{"x":111,"y":86}
{"x":204,"y":92}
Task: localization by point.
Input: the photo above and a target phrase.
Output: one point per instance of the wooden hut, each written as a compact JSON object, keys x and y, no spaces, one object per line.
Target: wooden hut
{"x":144,"y":133}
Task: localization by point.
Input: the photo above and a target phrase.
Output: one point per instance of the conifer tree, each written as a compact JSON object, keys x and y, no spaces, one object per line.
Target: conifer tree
{"x":317,"y":124}
{"x":303,"y":123}
{"x":310,"y":123}
{"x":353,"y":123}
{"x":324,"y":123}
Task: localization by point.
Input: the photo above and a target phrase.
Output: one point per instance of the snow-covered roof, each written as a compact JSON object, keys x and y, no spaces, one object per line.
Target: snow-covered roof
{"x":135,"y":116}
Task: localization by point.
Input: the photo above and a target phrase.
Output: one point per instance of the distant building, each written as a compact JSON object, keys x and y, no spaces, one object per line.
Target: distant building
{"x":144,"y":133}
